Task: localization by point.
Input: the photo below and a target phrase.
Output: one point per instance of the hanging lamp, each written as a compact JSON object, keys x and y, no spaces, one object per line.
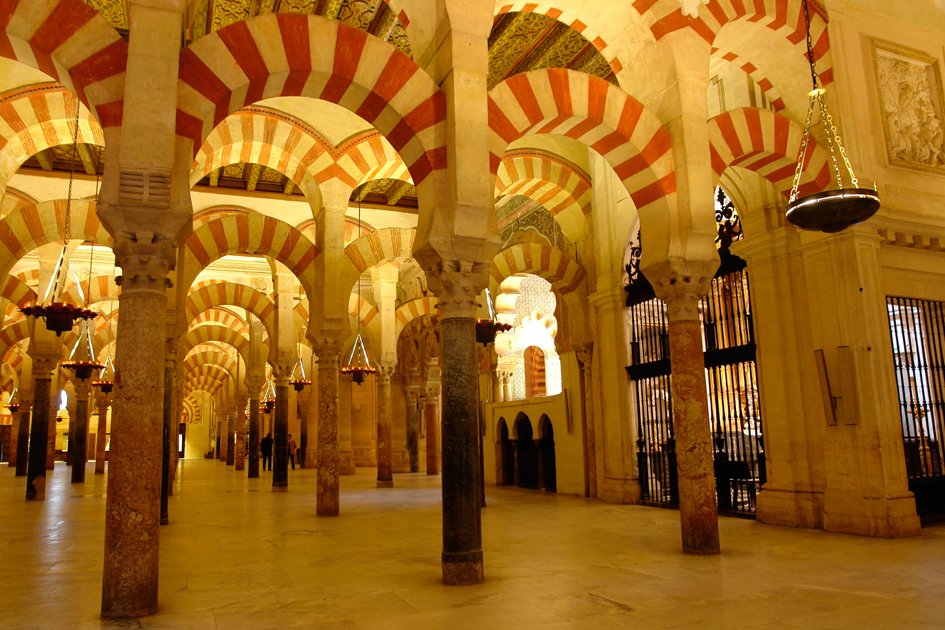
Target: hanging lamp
{"x":299,"y":382}
{"x":358,"y":364}
{"x":61,"y":316}
{"x":836,"y":209}
{"x":106,"y":378}
{"x":269,"y":398}
{"x":13,"y":405}
{"x":486,"y":329}
{"x":82,"y":358}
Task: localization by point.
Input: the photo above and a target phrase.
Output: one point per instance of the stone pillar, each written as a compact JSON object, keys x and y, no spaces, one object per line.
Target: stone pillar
{"x":103,"y":401}
{"x":81,"y":434}
{"x":329,"y":362}
{"x":230,"y":434}
{"x":585,"y":355}
{"x":413,"y":423}
{"x":170,"y":366}
{"x":280,"y":431}
{"x":23,"y":437}
{"x":681,"y":285}
{"x":301,"y":411}
{"x":239,"y":454}
{"x":456,"y":290}
{"x":53,"y":422}
{"x":431,"y":417}
{"x":133,"y":508}
{"x":385,"y":478}
{"x":254,"y":434}
{"x":43,"y":365}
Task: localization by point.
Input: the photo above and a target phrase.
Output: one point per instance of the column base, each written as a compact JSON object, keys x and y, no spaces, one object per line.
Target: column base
{"x":795,"y":508}
{"x":616,"y":490}
{"x":346,"y":465}
{"x":280,"y":488}
{"x":385,"y":484}
{"x":884,"y":517}
{"x":461,"y":569}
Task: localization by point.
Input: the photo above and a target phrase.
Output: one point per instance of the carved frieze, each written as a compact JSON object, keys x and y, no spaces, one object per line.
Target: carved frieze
{"x":910,"y":97}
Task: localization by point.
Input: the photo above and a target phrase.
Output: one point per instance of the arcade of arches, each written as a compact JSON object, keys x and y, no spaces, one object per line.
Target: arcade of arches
{"x":241,"y":190}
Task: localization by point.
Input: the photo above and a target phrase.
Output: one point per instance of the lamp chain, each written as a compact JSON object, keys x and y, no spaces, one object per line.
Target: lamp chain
{"x":67,"y":227}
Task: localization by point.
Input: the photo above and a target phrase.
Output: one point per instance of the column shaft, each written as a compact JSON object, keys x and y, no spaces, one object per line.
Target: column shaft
{"x":100,"y":437}
{"x":462,"y":526}
{"x":254,"y":438}
{"x":23,"y":438}
{"x":81,"y":434}
{"x":280,"y":437}
{"x":697,"y":498}
{"x":39,"y":438}
{"x":385,"y":478}
{"x":433,"y":443}
{"x":327,"y":498}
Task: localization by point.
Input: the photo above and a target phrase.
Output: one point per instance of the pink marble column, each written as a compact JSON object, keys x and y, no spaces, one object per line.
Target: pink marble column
{"x":101,"y":433}
{"x":585,"y":354}
{"x":81,"y":433}
{"x":133,"y":506}
{"x":239,"y":456}
{"x":698,"y":512}
{"x":385,"y":478}
{"x":327,"y":497}
{"x":431,"y":417}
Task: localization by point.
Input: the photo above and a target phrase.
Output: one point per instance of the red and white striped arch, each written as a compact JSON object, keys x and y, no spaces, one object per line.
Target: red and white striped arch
{"x":771,"y":93}
{"x":207,"y":355}
{"x":547,"y":178}
{"x":221,"y":316}
{"x":212,"y":294}
{"x":213,"y":334}
{"x":28,"y":227}
{"x":360,"y":308}
{"x":409,"y":311}
{"x":768,"y":144}
{"x":273,"y":55}
{"x":12,"y":333}
{"x":593,"y":112}
{"x":16,"y":291}
{"x":72,"y":43}
{"x":35,"y":118}
{"x":250,"y":234}
{"x":564,"y":274}
{"x":784,"y":17}
{"x":103,"y":289}
{"x":378,"y":246}
{"x":210,"y":379}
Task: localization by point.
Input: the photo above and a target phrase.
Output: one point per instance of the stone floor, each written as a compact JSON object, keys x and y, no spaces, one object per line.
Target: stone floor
{"x":239,"y":556}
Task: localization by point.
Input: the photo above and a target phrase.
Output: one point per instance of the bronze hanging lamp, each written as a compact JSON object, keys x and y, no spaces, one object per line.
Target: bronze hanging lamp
{"x":269,"y":398}
{"x":836,"y":209}
{"x":106,"y":378}
{"x":358,"y":364}
{"x":486,"y":329}
{"x":13,"y":405}
{"x":298,"y":380}
{"x":61,"y":316}
{"x":82,"y":358}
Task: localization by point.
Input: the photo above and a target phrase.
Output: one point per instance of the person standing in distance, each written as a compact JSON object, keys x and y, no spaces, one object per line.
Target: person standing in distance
{"x":265,"y":447}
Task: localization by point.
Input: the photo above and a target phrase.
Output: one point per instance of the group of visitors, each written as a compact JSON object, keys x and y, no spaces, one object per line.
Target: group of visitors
{"x":265,"y":449}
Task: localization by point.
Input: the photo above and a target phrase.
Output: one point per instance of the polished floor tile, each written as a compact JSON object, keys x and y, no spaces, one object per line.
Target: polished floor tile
{"x":237,"y":555}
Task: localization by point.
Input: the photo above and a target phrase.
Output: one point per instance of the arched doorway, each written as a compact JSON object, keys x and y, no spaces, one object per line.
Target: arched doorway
{"x":504,"y":456}
{"x":534,"y":360}
{"x":526,"y":454}
{"x":546,"y":455}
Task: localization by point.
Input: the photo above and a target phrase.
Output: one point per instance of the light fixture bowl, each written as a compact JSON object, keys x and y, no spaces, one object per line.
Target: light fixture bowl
{"x":833,"y":210}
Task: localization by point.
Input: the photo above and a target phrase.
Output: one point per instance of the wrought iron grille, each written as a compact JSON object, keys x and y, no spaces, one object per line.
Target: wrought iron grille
{"x":731,"y":383}
{"x":917,"y":330}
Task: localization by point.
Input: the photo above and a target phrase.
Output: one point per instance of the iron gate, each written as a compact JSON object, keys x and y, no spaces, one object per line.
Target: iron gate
{"x":731,"y":383}
{"x":917,"y":330}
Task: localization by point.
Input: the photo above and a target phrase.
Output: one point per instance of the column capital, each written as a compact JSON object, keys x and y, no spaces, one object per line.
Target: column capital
{"x":145,"y":260}
{"x":457,"y":285}
{"x":584,"y":352}
{"x":386,"y":370}
{"x":44,"y":363}
{"x":681,"y":284}
{"x":327,"y":348}
{"x":82,"y":386}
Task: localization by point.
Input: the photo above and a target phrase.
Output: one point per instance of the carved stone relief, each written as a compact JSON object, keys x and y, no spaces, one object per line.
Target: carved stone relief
{"x":910,"y":96}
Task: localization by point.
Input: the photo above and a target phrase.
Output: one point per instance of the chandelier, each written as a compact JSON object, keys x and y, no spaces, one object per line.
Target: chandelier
{"x":61,"y":316}
{"x":486,"y":329}
{"x":839,"y":208}
{"x":269,"y":398}
{"x":299,"y":382}
{"x":358,"y":364}
{"x":82,"y":358}
{"x":13,"y":405}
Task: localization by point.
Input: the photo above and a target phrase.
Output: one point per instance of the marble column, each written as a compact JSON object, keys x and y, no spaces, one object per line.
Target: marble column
{"x":585,"y":355}
{"x":280,"y":431}
{"x":698,"y":513}
{"x":301,"y":404}
{"x":170,"y":366}
{"x":385,"y":478}
{"x":23,"y":437}
{"x":431,"y":418}
{"x":133,"y":506}
{"x":239,"y":455}
{"x":43,"y":365}
{"x":329,"y":362}
{"x":254,"y":435}
{"x":51,"y":426}
{"x":230,"y":435}
{"x":413,"y":425}
{"x":103,"y":401}
{"x":81,"y":434}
